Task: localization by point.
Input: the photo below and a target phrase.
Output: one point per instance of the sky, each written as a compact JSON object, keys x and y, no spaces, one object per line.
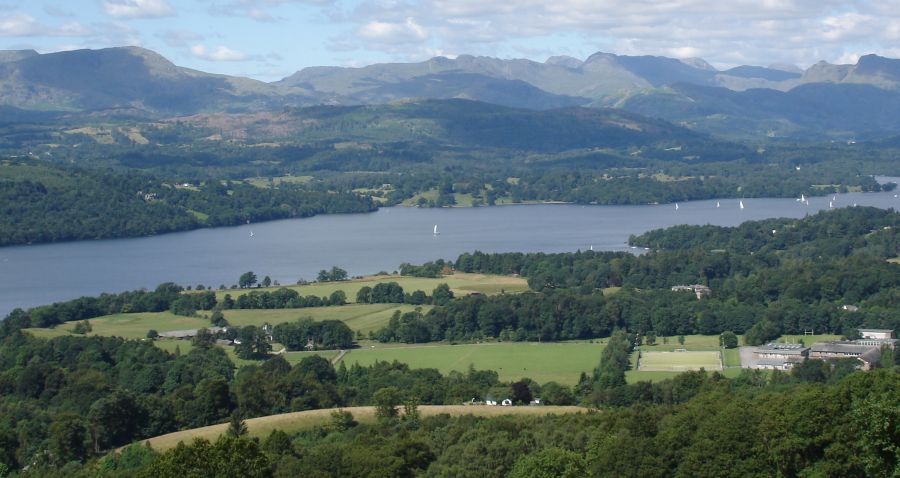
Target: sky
{"x":271,"y":39}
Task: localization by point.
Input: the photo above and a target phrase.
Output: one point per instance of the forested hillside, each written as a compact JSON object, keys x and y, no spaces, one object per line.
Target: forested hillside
{"x":45,"y":202}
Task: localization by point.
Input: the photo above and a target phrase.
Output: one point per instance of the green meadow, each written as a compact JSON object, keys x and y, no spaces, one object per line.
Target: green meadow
{"x":460,"y":283}
{"x":543,"y":362}
{"x":362,"y":317}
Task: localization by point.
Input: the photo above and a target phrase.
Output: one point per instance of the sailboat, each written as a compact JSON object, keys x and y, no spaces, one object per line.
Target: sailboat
{"x":834,"y":198}
{"x":435,"y":230}
{"x":802,"y":198}
{"x":676,"y":206}
{"x":717,"y":203}
{"x":742,"y":204}
{"x":830,"y":204}
{"x":251,"y":233}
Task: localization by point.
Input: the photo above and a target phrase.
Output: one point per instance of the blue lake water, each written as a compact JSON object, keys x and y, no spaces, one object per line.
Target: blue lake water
{"x":360,"y":243}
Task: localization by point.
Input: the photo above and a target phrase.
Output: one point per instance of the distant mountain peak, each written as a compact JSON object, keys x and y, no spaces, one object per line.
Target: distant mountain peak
{"x":698,"y":63}
{"x":565,"y":61}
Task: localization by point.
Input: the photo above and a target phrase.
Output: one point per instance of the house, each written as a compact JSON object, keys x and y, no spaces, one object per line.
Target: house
{"x":779,"y":356}
{"x":536,"y":401}
{"x":506,"y":402}
{"x":699,"y":290}
{"x":850,"y":308}
{"x":490,"y":402}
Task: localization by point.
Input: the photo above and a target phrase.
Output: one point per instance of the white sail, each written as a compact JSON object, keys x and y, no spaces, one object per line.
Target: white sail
{"x":435,"y":230}
{"x":742,"y":204}
{"x":251,"y":233}
{"x":717,"y":203}
{"x":830,"y":204}
{"x":676,"y":206}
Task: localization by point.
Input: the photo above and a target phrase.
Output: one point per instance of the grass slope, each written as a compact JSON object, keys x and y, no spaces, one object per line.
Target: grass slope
{"x":292,"y":422}
{"x":542,"y":362}
{"x":679,"y":361}
{"x":460,"y":283}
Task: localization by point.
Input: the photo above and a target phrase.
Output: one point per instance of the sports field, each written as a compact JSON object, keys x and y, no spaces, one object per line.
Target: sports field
{"x":679,"y":361}
{"x":542,"y":362}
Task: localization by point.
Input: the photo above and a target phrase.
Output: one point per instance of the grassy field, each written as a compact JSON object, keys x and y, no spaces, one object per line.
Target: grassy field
{"x":278,"y":180}
{"x":460,"y":283}
{"x":293,"y":422}
{"x":542,"y":362}
{"x":363,"y":317}
{"x":679,"y":361}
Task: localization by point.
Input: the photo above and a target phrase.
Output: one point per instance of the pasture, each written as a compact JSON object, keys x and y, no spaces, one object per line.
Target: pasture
{"x":460,"y":283}
{"x":362,"y":317}
{"x":543,"y":362}
{"x":679,"y":361}
{"x":296,"y":421}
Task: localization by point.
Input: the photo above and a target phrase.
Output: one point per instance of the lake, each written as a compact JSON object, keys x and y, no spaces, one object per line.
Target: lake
{"x":291,"y":249}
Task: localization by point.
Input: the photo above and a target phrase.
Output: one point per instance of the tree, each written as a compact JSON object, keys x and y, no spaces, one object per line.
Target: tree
{"x":68,"y":439}
{"x":82,"y":327}
{"x":681,"y":340}
{"x":323,"y":276}
{"x":236,"y":426}
{"x":218,"y":318}
{"x":253,"y":343}
{"x":338,"y":274}
{"x":342,"y":420}
{"x":204,"y":338}
{"x":267,"y":281}
{"x":247,"y":279}
{"x":729,"y":339}
{"x":651,"y":338}
{"x":550,"y":463}
{"x":152,"y":334}
{"x":386,"y":401}
{"x":364,"y":295}
{"x":614,"y":361}
{"x":442,"y":295}
{"x":521,"y":393}
{"x":337,"y":297}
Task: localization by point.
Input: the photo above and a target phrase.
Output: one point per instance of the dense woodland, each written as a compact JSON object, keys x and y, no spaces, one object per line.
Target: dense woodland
{"x":43,"y":202}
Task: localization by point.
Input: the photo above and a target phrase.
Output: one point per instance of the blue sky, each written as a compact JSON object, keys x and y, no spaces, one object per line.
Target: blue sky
{"x":270,"y":39}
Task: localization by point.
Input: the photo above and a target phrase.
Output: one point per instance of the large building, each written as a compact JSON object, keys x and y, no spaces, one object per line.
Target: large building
{"x":869,"y":355}
{"x":779,"y":356}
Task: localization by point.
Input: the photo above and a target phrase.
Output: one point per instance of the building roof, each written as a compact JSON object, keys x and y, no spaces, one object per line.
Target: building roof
{"x":846,"y":348}
{"x":877,"y":331}
{"x":772,"y":362}
{"x":873,"y":356}
{"x":782,"y":349}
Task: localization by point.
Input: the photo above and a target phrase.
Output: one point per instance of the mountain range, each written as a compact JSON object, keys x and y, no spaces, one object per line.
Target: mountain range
{"x":825,"y":101}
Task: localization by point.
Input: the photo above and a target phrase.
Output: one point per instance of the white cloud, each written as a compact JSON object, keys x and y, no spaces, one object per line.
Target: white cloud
{"x":393,"y":33}
{"x":723,"y":32}
{"x":138,"y":8}
{"x":260,"y":10}
{"x":219,"y":53}
{"x":18,"y":24}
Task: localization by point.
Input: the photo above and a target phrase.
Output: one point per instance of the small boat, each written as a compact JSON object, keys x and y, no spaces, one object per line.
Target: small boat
{"x":830,"y":204}
{"x":717,"y":203}
{"x":435,"y":230}
{"x":592,"y":247}
{"x":742,"y":204}
{"x":676,"y":206}
{"x":251,"y":233}
{"x":834,"y":198}
{"x":802,"y":198}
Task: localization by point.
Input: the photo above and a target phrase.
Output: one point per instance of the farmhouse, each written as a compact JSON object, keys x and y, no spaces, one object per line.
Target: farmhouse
{"x":779,"y":356}
{"x":699,"y":290}
{"x":188,"y":333}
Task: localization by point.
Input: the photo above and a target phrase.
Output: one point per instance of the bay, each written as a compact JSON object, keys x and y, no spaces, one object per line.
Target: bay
{"x":292,"y":249}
